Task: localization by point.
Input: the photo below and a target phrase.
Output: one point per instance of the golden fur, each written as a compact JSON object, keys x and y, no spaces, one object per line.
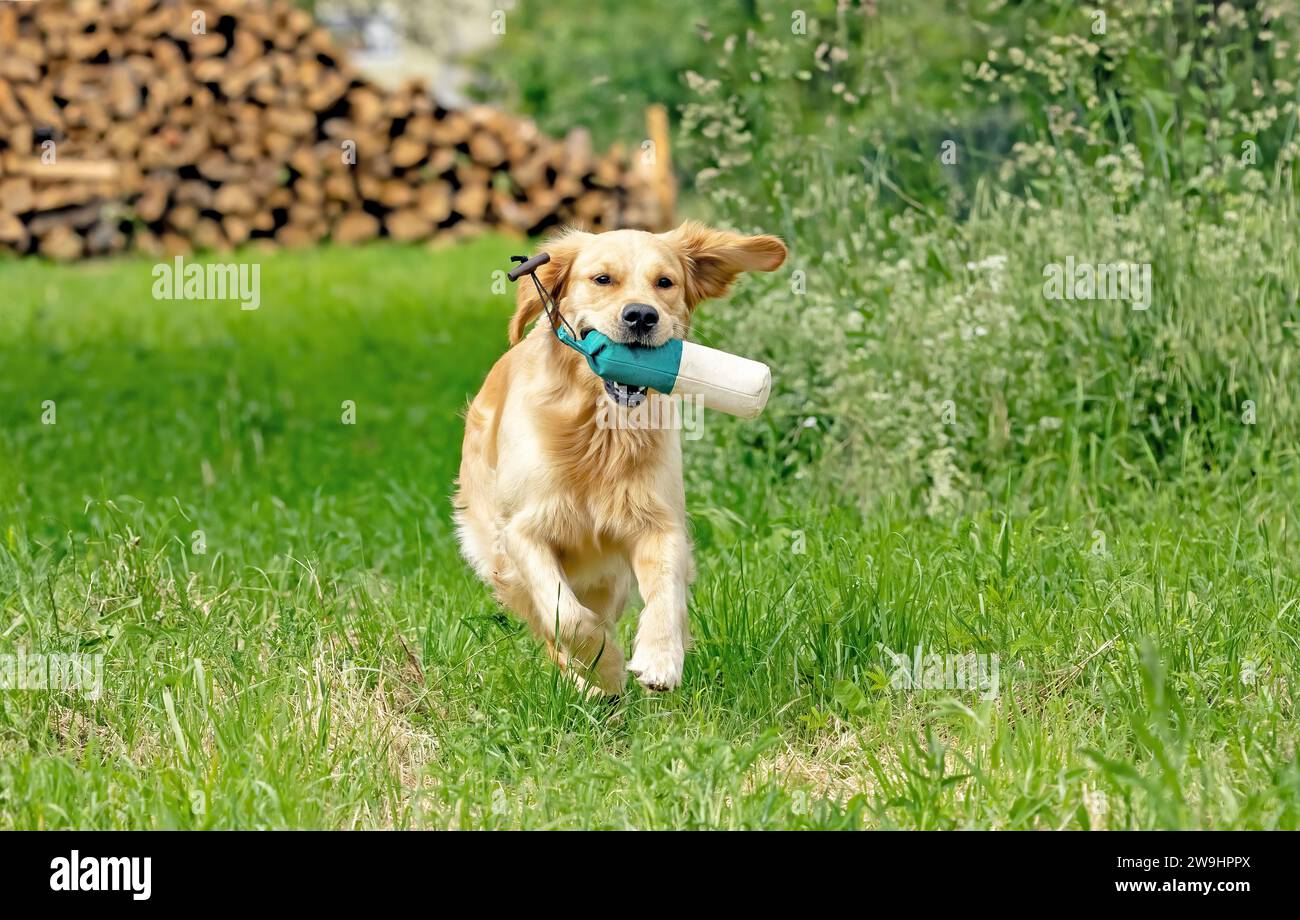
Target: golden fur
{"x":557,"y":511}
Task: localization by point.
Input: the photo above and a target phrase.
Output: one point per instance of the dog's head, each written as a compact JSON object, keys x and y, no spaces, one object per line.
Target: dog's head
{"x":641,"y":288}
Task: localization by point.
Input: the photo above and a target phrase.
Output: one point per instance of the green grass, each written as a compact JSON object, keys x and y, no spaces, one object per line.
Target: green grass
{"x":329,"y":661}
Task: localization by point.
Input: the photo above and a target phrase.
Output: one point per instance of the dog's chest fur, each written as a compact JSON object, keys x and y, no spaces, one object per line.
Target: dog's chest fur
{"x":610,"y":481}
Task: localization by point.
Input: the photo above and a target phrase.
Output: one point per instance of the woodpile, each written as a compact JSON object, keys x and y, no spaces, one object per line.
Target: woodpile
{"x":168,"y":126}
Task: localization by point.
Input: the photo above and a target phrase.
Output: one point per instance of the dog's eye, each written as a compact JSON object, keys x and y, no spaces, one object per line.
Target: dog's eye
{"x":665,"y":282}
{"x":603,"y":279}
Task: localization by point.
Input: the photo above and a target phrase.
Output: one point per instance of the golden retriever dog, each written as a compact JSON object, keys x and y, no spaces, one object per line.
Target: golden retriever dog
{"x":557,"y":510}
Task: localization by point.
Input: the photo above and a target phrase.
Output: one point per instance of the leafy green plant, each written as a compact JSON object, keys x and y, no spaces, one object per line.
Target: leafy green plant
{"x":915,"y":343}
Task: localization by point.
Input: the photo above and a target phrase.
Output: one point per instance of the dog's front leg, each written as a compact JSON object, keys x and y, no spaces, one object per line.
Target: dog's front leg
{"x":581,"y":641}
{"x":662,"y":563}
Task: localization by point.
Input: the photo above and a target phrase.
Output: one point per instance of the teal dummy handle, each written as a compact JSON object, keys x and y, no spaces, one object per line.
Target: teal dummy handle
{"x":632,"y":365}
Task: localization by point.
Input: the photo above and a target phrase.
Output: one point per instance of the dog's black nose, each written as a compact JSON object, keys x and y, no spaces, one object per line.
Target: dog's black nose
{"x":640,"y":317}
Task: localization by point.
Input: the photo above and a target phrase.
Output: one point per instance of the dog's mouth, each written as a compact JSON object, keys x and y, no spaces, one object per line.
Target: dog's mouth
{"x":621,"y":337}
{"x":625,"y":395}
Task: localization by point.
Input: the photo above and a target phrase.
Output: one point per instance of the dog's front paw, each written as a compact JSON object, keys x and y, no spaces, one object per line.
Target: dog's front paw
{"x":657,"y":669}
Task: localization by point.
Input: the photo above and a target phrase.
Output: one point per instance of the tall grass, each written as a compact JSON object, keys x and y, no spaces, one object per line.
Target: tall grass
{"x":328,"y":660}
{"x":917,"y":347}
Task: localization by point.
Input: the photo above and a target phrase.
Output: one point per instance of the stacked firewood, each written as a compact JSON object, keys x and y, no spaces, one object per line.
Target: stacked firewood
{"x":168,"y":126}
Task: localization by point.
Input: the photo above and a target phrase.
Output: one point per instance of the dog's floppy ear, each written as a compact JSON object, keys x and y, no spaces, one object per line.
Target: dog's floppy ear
{"x":713,"y":258}
{"x":554,"y":275}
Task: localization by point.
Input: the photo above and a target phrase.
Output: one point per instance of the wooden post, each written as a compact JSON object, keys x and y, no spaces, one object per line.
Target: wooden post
{"x":665,"y":188}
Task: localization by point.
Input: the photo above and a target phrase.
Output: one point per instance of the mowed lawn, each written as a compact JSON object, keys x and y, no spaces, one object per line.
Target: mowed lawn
{"x":290,"y":639}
